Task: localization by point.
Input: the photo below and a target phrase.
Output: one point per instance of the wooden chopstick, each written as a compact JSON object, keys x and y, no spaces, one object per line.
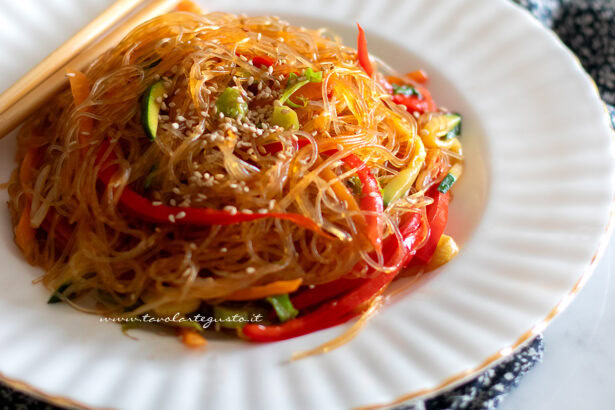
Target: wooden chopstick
{"x":24,"y":107}
{"x":62,"y":54}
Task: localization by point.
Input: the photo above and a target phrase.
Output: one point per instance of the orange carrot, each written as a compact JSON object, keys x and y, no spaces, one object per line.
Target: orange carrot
{"x":80,"y":87}
{"x":187,"y":5}
{"x":259,"y":292}
{"x":419,"y":76}
{"x":28,"y":164}
{"x":24,"y":233}
{"x":191,"y":338}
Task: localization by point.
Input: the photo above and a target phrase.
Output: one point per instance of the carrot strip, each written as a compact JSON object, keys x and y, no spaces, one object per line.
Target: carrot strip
{"x":189,"y":6}
{"x":80,"y":88}
{"x":24,"y":233}
{"x":260,"y":292}
{"x":191,"y":338}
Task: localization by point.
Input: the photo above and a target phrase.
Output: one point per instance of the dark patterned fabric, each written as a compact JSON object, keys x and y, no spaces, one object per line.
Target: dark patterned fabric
{"x":587,"y":27}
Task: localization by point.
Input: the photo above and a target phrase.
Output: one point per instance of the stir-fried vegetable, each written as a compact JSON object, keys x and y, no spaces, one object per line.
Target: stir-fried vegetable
{"x":271,"y":289}
{"x":231,"y":103}
{"x":59,"y":292}
{"x":362,"y":53}
{"x":285,"y":117}
{"x":150,"y":108}
{"x":450,"y":178}
{"x":283,"y":307}
{"x":334,"y":311}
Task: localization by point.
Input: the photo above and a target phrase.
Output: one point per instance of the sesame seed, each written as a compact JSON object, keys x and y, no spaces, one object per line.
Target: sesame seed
{"x":312,"y":286}
{"x":159,"y":100}
{"x":180,"y":118}
{"x":156,"y":203}
{"x":259,"y":36}
{"x":180,"y":215}
{"x":262,"y":211}
{"x":193,"y":246}
{"x":250,"y":80}
{"x":250,"y":270}
{"x":230,"y":209}
{"x":247,"y":211}
{"x":175,"y":125}
{"x":172,"y":218}
{"x":70,"y":74}
{"x":270,"y":69}
{"x":340,"y":147}
{"x":272,"y":204}
{"x":219,"y":176}
{"x":223,"y":250}
{"x":173,"y":202}
{"x":176,"y":190}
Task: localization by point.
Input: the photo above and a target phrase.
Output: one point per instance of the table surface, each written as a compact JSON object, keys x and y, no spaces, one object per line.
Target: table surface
{"x":577,"y":369}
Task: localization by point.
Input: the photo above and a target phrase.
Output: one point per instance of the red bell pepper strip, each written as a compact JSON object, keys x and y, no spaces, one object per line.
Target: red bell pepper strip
{"x":362,"y":53}
{"x":371,"y":199}
{"x":320,"y":293}
{"x":144,"y":209}
{"x":331,"y":312}
{"x":422,"y":104}
{"x":437,"y":216}
{"x":260,"y":61}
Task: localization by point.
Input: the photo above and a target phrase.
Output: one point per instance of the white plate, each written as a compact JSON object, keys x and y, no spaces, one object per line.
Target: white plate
{"x":531,"y":213}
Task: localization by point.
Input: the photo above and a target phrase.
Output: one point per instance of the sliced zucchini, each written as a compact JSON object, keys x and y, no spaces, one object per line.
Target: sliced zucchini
{"x":450,"y":178}
{"x":283,"y":307}
{"x":150,"y":108}
{"x":455,"y":123}
{"x":56,"y":296}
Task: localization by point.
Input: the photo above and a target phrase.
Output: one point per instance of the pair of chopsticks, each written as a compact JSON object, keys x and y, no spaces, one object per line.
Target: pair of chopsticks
{"x":29,"y":93}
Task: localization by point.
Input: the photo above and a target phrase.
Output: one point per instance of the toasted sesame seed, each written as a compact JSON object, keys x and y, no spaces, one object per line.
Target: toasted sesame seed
{"x":219,"y":176}
{"x":173,"y":202}
{"x":176,"y":191}
{"x":340,"y":147}
{"x":175,"y":125}
{"x":230,"y":209}
{"x":193,"y":246}
{"x":250,"y":270}
{"x":180,"y":118}
{"x":70,"y":74}
{"x":270,"y":69}
{"x":223,"y":250}
{"x":180,"y":215}
{"x":272,"y":204}
{"x":247,"y":211}
{"x":172,"y":218}
{"x":312,"y":286}
{"x":156,"y":203}
{"x":262,"y":211}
